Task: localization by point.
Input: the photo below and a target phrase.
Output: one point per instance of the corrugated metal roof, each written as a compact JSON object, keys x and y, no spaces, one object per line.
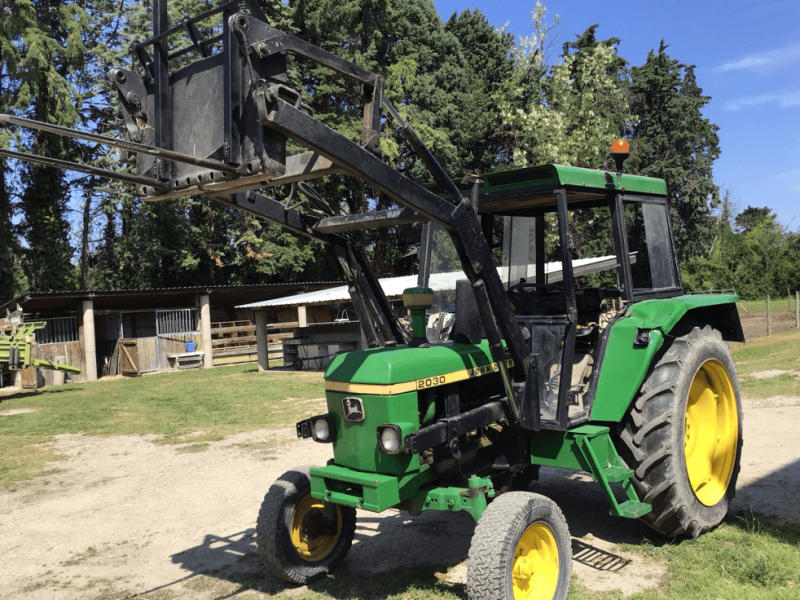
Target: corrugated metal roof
{"x":393,"y":286}
{"x":158,"y":297}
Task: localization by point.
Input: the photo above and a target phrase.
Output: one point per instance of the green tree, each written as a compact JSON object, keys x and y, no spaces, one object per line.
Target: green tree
{"x":440,"y":77}
{"x":489,"y":60}
{"x":753,"y":254}
{"x":42,"y":51}
{"x":675,"y":142}
{"x":752,"y":216}
{"x":582,"y":110}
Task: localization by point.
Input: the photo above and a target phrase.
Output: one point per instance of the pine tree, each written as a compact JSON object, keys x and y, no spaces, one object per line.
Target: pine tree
{"x":674,"y":142}
{"x":42,"y":48}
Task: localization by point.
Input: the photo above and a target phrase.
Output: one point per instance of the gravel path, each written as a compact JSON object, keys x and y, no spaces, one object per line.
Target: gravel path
{"x":124,"y":515}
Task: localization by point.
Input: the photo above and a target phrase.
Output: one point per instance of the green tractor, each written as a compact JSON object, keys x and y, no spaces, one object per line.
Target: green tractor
{"x":633,"y":383}
{"x":551,"y":361}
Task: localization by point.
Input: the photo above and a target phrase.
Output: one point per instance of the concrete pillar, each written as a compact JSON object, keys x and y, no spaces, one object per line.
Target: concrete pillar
{"x":261,"y":340}
{"x":205,"y":326}
{"x":302,"y":317}
{"x":89,"y":348}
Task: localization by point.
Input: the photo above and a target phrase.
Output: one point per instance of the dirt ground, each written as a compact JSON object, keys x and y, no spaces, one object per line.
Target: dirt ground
{"x":123,"y":515}
{"x":754,"y":325}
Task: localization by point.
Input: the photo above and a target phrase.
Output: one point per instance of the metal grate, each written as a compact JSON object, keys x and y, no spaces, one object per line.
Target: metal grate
{"x":59,"y":330}
{"x":177,"y":322}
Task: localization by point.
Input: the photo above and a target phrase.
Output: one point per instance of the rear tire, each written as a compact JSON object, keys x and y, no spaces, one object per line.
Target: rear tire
{"x":296,"y":541}
{"x":521,"y":550}
{"x":683,"y":435}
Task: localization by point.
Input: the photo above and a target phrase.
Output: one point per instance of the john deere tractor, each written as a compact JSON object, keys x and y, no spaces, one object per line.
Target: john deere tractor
{"x":580,"y":350}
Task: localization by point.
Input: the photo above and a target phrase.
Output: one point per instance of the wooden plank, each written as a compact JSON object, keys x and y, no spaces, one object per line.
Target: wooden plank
{"x":148,"y":355}
{"x":67,"y":353}
{"x":233,"y":351}
{"x":245,"y":350}
{"x":233,"y":329}
{"x":280,"y":336}
{"x":287,"y":325}
{"x":222,"y":324}
{"x":241,"y":340}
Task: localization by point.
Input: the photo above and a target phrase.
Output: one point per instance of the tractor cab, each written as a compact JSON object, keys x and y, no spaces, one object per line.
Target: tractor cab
{"x":578,"y":246}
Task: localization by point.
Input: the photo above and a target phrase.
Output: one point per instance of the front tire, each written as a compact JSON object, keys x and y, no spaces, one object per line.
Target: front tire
{"x":521,"y":550}
{"x":683,"y":435}
{"x":297,"y":541}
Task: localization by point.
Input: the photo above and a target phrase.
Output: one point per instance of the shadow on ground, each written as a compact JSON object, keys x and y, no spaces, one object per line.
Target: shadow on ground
{"x":390,"y":554}
{"x":394,"y":552}
{"x":775,"y":494}
{"x":16,"y":395}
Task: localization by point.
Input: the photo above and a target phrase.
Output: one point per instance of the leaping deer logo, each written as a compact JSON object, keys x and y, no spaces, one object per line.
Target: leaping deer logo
{"x":353,"y":409}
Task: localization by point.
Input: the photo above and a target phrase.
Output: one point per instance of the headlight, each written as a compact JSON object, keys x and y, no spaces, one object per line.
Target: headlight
{"x":321,"y":430}
{"x":390,"y":439}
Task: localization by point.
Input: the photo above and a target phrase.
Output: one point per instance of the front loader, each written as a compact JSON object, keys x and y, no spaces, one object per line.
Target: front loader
{"x":551,"y":361}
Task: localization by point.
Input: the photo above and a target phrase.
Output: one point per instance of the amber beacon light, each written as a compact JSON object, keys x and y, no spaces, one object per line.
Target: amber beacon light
{"x":619,"y":152}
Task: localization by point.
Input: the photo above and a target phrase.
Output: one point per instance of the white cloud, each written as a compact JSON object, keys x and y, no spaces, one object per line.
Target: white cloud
{"x":782,"y":99}
{"x":786,"y":180}
{"x":763,"y":61}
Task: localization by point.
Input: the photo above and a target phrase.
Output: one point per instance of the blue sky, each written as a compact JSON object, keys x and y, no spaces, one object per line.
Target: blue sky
{"x":747,"y":54}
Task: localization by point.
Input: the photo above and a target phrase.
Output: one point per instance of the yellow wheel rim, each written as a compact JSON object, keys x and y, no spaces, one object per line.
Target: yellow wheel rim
{"x":712,"y":432}
{"x":535,"y":571}
{"x":313,"y":535}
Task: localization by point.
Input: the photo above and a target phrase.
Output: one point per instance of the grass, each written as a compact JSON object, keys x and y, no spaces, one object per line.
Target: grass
{"x":781,"y":352}
{"x":217,"y":402}
{"x":749,"y":557}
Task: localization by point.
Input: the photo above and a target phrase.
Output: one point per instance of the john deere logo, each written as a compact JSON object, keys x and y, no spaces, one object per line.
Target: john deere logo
{"x":353,"y":409}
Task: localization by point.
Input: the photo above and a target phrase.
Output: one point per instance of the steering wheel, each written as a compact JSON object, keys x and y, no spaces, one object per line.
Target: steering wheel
{"x":525,"y":287}
{"x":539,"y":298}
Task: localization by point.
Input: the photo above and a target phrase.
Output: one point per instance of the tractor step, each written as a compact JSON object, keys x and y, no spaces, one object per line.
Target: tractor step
{"x":616,"y":474}
{"x":590,"y":448}
{"x":631,"y":509}
{"x":605,"y":465}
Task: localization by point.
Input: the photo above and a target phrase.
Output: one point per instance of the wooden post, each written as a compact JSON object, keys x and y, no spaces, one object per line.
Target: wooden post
{"x":261,"y":340}
{"x":797,"y":310}
{"x":769,"y":319}
{"x":205,"y":326}
{"x":302,"y":318}
{"x":89,"y":347}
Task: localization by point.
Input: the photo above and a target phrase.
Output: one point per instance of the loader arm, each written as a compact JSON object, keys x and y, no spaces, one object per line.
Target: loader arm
{"x":218,"y":127}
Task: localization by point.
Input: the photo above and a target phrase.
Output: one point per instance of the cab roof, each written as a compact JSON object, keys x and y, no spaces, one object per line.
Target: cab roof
{"x":532,"y":187}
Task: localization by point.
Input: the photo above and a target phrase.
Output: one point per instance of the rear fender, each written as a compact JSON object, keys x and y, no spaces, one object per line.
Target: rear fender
{"x":623,"y":366}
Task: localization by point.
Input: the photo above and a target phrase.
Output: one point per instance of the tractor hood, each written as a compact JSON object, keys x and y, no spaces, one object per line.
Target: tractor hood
{"x":400,"y":369}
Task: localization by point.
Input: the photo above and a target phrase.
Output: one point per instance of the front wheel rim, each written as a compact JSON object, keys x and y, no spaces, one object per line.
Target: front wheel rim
{"x":534,"y":573}
{"x":711,"y":432}
{"x":313,"y":535}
